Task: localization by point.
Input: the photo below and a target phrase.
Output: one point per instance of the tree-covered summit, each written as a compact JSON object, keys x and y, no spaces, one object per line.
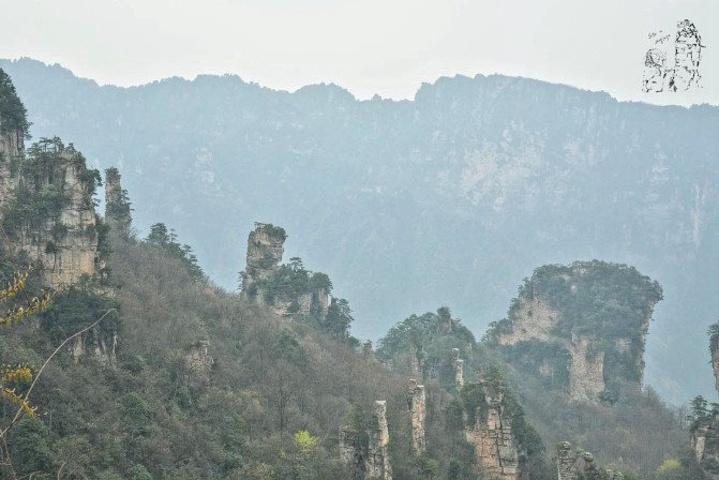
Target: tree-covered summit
{"x":13,"y":116}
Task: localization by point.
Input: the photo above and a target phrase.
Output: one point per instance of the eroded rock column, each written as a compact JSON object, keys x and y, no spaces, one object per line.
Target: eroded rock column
{"x":351,"y":453}
{"x":265,"y":247}
{"x":416,"y":402}
{"x":566,"y":462}
{"x":117,"y":204}
{"x":492,"y":437}
{"x":378,"y":465}
{"x":458,"y":364}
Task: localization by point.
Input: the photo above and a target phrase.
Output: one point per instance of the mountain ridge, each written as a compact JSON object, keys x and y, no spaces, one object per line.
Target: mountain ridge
{"x":480,"y":179}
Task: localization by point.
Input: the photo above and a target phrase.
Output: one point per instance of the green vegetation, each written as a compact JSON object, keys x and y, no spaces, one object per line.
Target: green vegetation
{"x":41,"y":194}
{"x":118,"y":209}
{"x":603,"y":300}
{"x":609,"y":303}
{"x":12,"y":110}
{"x":166,"y":241}
{"x":272,"y":231}
{"x":436,"y":333}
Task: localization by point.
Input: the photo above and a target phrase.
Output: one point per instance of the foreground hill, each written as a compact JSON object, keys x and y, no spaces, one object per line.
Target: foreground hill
{"x":449,"y":198}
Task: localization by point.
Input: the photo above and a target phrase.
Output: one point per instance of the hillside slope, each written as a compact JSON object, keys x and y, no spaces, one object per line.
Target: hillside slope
{"x":446,"y":199}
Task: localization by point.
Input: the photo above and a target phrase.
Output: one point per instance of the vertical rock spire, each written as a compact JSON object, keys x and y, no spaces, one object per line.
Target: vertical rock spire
{"x":416,"y":402}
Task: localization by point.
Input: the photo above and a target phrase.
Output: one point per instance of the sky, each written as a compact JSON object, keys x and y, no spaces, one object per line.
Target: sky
{"x":384,"y":47}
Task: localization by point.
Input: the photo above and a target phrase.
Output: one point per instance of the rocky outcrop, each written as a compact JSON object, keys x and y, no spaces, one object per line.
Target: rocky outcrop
{"x":458,"y":365}
{"x":491,"y":435}
{"x":198,"y":363}
{"x":378,"y":465}
{"x":586,"y":371}
{"x":46,"y":199}
{"x":367,"y":351}
{"x":288,"y":289}
{"x":416,"y":404}
{"x":97,"y":344}
{"x":714,"y":349}
{"x":566,"y":462}
{"x":50,"y":215}
{"x":705,"y":421}
{"x":536,"y":320}
{"x":117,"y":204}
{"x":352,"y":454}
{"x":568,"y":465}
{"x":265,"y":247}
{"x":699,"y":441}
{"x":582,"y":313}
{"x":13,"y":128}
{"x":12,"y":150}
{"x":367,"y":460}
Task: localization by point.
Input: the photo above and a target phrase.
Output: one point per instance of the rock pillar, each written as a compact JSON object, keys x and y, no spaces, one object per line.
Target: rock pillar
{"x":566,"y":462}
{"x":416,"y":402}
{"x":378,"y":465}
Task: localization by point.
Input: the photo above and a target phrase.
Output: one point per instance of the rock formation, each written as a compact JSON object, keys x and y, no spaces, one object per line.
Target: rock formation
{"x":117,"y":204}
{"x":367,"y":351}
{"x":584,"y":313}
{"x":352,"y":454}
{"x":61,"y":234}
{"x":198,"y":363}
{"x":367,"y":460}
{"x":47,"y":214}
{"x":705,"y":427}
{"x":566,"y":462}
{"x":416,"y":403}
{"x":13,"y":128}
{"x":568,"y":468}
{"x":378,"y":465}
{"x":495,"y":445}
{"x":265,"y":247}
{"x":287,"y":289}
{"x":714,"y":349}
{"x":458,"y":365}
{"x":97,"y":344}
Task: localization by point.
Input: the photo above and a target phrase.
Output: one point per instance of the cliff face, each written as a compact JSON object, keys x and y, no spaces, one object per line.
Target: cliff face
{"x":11,"y":151}
{"x":98,"y":344}
{"x":13,"y":127}
{"x":705,"y":427}
{"x":581,"y":325}
{"x":46,"y":203}
{"x":49,"y":214}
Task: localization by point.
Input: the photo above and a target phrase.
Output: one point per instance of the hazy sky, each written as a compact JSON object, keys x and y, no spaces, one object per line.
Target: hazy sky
{"x":388,"y":47}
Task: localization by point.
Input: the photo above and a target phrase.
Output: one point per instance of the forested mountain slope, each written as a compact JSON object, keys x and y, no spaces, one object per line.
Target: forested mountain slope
{"x":450,"y":198}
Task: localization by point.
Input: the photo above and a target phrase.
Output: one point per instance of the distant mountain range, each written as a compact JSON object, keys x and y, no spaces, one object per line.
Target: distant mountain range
{"x":450,"y":199}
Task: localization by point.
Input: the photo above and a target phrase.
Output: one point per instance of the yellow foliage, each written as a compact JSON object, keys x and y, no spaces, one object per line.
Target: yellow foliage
{"x":15,"y":375}
{"x":305,"y":442}
{"x":668,"y":466}
{"x":15,"y":313}
{"x":18,"y":284}
{"x":18,"y":400}
{"x":33,"y":306}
